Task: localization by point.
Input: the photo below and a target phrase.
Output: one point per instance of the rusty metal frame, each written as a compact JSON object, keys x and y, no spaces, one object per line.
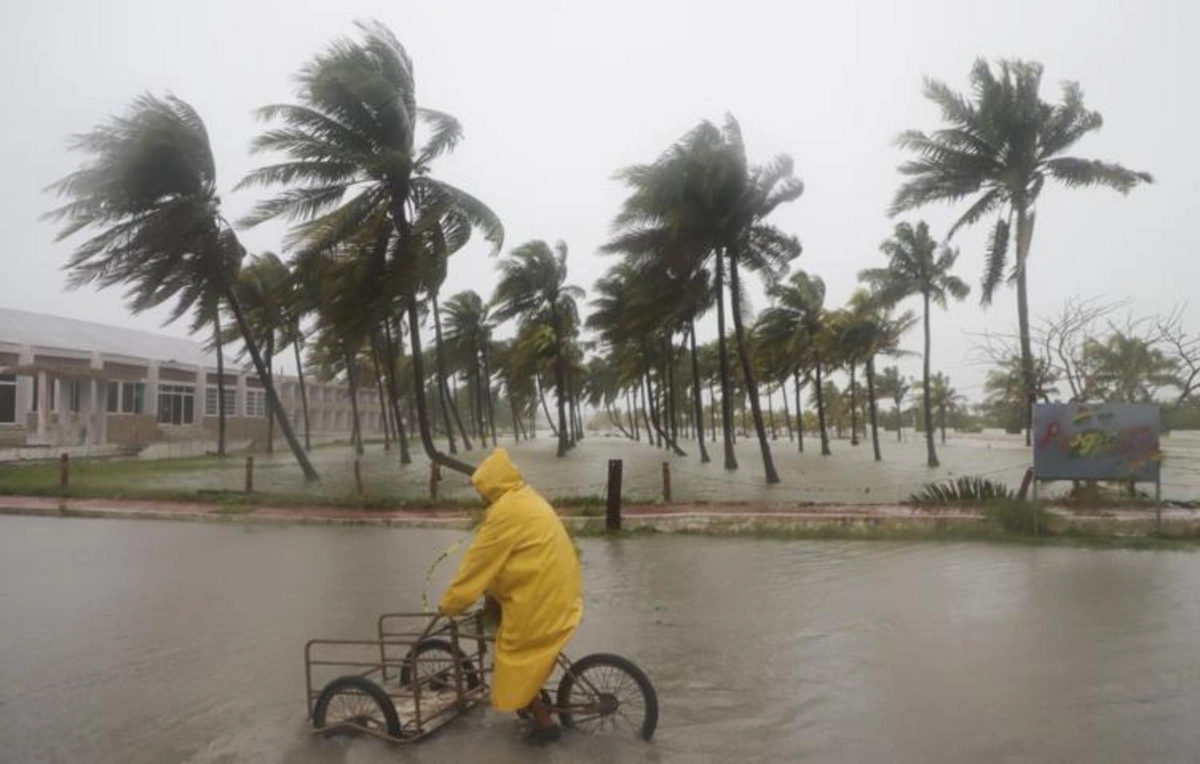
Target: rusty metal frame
{"x":462,"y":632}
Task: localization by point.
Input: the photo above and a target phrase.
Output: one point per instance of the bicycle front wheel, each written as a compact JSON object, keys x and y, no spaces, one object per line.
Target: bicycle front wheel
{"x":607,"y":694}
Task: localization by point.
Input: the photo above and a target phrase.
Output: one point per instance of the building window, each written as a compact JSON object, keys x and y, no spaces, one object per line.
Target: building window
{"x":8,"y":399}
{"x":126,"y":398}
{"x":73,"y":390}
{"x":256,"y":403}
{"x":210,"y":401}
{"x":176,"y":404}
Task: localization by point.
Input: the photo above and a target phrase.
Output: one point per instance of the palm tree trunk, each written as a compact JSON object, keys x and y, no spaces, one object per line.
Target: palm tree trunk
{"x":821,"y":413}
{"x":560,"y":382}
{"x":487,"y":386}
{"x":942,"y":422}
{"x":310,"y":474}
{"x":651,"y":433}
{"x":632,"y":409}
{"x":414,"y":322}
{"x":220,"y":383}
{"x":933,"y":460}
{"x":899,"y":424}
{"x":440,"y":367}
{"x":383,"y":408}
{"x":393,"y":351}
{"x":1024,"y":238}
{"x":657,"y":416}
{"x":853,"y":406}
{"x":787,"y":412}
{"x":712,"y":412}
{"x":771,"y":415}
{"x":871,"y":407}
{"x":453,"y":399}
{"x":723,"y":357}
{"x":303,"y":395}
{"x":572,"y":407}
{"x":748,"y":372}
{"x":799,"y":411}
{"x":516,"y":416}
{"x":546,"y":409}
{"x":272,"y":408}
{"x":698,"y":402}
{"x":352,"y":378}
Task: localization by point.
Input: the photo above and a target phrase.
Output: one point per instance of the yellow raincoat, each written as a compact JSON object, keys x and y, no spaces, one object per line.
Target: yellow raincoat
{"x":523,"y":556}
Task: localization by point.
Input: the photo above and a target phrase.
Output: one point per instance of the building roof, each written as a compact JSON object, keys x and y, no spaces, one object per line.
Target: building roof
{"x":42,"y":330}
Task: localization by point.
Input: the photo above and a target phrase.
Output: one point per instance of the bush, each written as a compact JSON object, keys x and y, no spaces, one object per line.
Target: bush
{"x":1018,"y":517}
{"x":969,"y":489}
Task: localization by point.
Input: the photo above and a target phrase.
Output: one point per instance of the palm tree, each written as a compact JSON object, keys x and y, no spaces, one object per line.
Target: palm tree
{"x":148,"y":197}
{"x":699,"y":201}
{"x":469,"y":334}
{"x":916,"y":267}
{"x":798,"y":321}
{"x":1000,"y":146}
{"x":872,"y":332}
{"x":533,"y":287}
{"x":353,"y":134}
{"x":892,"y":385}
{"x":940,"y":395}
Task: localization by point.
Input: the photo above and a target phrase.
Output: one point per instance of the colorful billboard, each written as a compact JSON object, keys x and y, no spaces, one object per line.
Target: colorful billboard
{"x":1096,"y":441}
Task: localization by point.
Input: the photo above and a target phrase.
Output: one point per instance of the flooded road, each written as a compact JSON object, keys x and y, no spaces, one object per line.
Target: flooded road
{"x":153,"y":642}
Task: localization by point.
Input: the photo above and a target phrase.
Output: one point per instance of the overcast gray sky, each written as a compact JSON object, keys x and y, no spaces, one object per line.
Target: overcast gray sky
{"x":557,"y":96}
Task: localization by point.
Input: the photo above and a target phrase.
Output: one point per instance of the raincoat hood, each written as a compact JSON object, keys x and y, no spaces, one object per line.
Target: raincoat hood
{"x":496,"y":476}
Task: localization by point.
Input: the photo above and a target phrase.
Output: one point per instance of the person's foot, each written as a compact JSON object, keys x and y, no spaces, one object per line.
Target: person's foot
{"x":549,"y":734}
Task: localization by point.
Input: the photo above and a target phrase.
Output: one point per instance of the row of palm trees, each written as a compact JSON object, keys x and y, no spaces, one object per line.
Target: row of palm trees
{"x":372,"y":229}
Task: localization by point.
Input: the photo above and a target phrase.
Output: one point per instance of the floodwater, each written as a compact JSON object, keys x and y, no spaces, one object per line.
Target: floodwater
{"x":849,"y":476}
{"x":153,"y":642}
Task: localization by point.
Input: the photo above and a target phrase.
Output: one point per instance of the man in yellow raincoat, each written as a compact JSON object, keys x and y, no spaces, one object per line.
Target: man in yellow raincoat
{"x":522,"y":556}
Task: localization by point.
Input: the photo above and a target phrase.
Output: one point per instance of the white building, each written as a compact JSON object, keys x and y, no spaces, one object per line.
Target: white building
{"x":65,"y":382}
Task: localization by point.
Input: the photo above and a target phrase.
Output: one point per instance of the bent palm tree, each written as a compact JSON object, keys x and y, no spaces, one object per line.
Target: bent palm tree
{"x":533,"y":287}
{"x":916,"y":268}
{"x":148,"y":197}
{"x":1000,"y":146}
{"x":353,"y":166}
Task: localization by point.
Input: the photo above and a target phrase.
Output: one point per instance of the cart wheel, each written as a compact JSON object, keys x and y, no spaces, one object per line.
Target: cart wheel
{"x":359,"y":701}
{"x":433,"y":662}
{"x":616,"y":694}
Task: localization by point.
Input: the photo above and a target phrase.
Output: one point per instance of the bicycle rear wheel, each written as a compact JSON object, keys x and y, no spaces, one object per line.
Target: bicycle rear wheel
{"x":606,"y":694}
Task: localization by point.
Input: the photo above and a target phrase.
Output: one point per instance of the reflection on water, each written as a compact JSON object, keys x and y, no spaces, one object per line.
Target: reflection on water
{"x":161,"y":642}
{"x":849,"y":476}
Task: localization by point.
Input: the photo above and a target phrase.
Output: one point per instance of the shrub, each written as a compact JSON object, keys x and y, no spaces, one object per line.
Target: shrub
{"x":969,"y":489}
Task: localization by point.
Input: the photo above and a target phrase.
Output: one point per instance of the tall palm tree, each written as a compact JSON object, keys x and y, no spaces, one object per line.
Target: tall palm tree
{"x":148,"y":198}
{"x":702,"y":201}
{"x":917,"y":267}
{"x":798,"y":320}
{"x":872,"y":332}
{"x":353,"y":168}
{"x":469,"y":333}
{"x":999,"y":146}
{"x":533,"y":287}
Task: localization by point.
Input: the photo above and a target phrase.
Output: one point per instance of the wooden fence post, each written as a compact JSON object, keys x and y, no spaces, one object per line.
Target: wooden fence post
{"x":434,"y":477}
{"x":613,"y":507}
{"x":358,"y":483}
{"x":249,"y":474}
{"x":666,"y":482}
{"x":64,"y":471}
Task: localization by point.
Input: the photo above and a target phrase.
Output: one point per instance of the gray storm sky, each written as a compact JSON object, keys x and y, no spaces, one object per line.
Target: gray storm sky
{"x":555,"y":97}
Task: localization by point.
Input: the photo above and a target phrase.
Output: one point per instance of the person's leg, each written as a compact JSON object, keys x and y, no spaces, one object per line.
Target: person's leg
{"x":541,"y":714}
